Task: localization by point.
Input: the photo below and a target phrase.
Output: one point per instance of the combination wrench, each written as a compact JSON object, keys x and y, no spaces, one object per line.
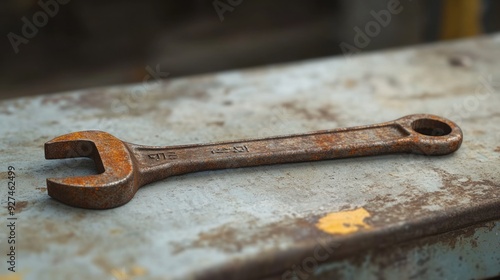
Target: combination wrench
{"x":124,"y":167}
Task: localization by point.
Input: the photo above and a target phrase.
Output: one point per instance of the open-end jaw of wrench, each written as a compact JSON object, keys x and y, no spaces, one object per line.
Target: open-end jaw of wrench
{"x":124,"y":167}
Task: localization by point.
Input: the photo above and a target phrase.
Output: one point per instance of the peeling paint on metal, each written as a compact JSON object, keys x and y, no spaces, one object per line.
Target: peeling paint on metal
{"x":128,"y":274}
{"x":344,"y":222}
{"x":12,"y":276}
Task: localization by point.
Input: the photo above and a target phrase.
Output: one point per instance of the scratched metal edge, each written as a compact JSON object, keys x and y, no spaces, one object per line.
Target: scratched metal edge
{"x":385,"y":259}
{"x":273,"y":264}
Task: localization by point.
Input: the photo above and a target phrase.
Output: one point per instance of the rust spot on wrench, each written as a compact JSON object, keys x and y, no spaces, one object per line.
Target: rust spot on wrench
{"x":125,"y":167}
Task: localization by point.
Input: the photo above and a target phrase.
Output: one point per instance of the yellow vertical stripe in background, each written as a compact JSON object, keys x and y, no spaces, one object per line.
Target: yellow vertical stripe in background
{"x":461,"y":18}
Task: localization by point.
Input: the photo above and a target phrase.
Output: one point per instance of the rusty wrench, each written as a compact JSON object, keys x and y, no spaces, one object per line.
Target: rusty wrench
{"x":125,"y":167}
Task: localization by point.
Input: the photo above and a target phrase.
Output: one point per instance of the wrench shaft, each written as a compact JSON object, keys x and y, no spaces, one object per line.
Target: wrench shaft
{"x":160,"y":162}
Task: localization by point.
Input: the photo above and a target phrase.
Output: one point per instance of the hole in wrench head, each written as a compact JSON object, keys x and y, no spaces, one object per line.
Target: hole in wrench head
{"x":431,"y":127}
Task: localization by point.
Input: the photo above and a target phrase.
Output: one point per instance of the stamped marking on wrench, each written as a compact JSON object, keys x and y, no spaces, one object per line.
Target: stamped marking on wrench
{"x":125,"y":167}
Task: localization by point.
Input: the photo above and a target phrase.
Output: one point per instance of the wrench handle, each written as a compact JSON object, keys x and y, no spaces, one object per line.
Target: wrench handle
{"x":424,"y":134}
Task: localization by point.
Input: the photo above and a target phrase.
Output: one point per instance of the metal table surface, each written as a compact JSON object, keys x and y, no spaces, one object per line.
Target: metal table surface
{"x":394,"y":216}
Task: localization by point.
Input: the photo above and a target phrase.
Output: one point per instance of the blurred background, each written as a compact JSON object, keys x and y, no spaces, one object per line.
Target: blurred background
{"x":59,"y":45}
